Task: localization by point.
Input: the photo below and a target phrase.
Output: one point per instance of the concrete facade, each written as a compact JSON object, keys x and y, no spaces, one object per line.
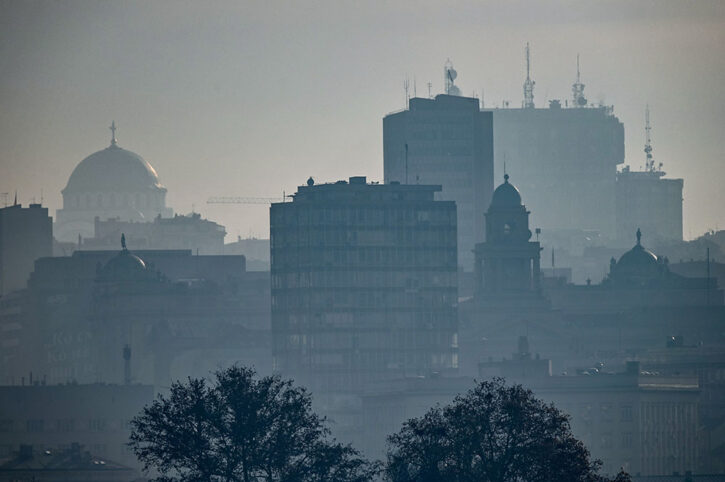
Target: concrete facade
{"x":446,"y":141}
{"x":364,"y":283}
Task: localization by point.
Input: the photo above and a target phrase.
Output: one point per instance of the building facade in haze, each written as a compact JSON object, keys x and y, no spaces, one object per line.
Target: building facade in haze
{"x":110,"y":183}
{"x":446,"y":141}
{"x":26,"y":234}
{"x":565,"y":160}
{"x":646,"y":200}
{"x":201,"y":236}
{"x":364,"y":284}
{"x":54,"y":417}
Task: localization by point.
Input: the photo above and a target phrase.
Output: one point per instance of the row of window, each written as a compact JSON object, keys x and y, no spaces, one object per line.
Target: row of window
{"x":376,"y":279}
{"x":111,"y":200}
{"x":62,"y":425}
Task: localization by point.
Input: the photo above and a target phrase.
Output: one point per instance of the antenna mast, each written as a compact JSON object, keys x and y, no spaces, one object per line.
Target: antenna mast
{"x":649,"y":164}
{"x":529,"y":84}
{"x":577,"y":88}
{"x":406,"y":86}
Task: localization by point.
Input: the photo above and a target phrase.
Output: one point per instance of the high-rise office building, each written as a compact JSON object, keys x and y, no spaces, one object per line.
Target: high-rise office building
{"x":565,"y":160}
{"x":364,"y":284}
{"x":26,"y":234}
{"x":446,"y":141}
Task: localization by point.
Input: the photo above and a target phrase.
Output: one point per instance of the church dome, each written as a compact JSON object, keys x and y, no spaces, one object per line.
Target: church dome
{"x":113,"y":169}
{"x":506,"y":195}
{"x":638,"y":257}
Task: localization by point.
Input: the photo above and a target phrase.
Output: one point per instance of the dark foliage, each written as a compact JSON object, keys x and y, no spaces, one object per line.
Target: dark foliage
{"x":241,"y":428}
{"x":495,"y":433}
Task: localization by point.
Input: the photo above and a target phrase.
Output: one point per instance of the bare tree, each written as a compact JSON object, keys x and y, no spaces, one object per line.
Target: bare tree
{"x":494,"y":433}
{"x":241,"y":428}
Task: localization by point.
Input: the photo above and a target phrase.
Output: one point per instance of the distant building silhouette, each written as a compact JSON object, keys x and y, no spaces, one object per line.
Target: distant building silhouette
{"x":201,"y":236}
{"x":446,"y":141}
{"x":508,"y":263}
{"x":565,"y":160}
{"x":57,"y":417}
{"x":364,"y":283}
{"x":26,"y":234}
{"x":180,"y":314}
{"x":646,"y":200}
{"x":110,"y":183}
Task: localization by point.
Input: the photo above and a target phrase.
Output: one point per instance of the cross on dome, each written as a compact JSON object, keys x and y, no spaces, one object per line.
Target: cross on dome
{"x":113,"y":133}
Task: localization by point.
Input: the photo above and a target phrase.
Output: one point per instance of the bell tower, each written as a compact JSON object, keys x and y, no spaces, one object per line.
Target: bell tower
{"x":507,"y":262}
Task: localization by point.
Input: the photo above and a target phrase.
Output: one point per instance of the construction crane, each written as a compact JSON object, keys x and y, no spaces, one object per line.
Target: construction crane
{"x":246,"y":200}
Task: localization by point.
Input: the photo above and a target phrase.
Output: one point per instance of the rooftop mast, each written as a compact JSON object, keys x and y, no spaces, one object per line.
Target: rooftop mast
{"x":528,"y":84}
{"x":578,"y":88}
{"x":649,"y":163}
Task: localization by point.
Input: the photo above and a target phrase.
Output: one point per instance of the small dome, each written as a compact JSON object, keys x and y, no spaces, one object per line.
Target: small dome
{"x":637,"y":257}
{"x":506,"y":195}
{"x":125,"y":266}
{"x":113,"y":169}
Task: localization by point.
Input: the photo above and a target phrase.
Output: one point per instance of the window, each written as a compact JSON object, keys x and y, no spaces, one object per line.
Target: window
{"x":97,"y":425}
{"x":605,"y":410}
{"x":626,"y":413}
{"x":627,"y":440}
{"x":65,"y":425}
{"x":34,"y":425}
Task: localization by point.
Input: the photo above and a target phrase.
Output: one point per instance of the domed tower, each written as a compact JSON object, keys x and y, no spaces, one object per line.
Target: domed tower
{"x":110,"y":183}
{"x":507,"y":261}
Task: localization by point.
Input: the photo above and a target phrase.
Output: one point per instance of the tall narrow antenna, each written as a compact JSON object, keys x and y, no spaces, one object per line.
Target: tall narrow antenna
{"x":528,"y":83}
{"x":406,"y":86}
{"x":415,"y":89}
{"x":577,"y":88}
{"x":649,"y":163}
{"x":430,"y":86}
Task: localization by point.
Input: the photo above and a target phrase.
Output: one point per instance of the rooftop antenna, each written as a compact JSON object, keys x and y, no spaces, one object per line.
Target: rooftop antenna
{"x":578,"y":88}
{"x":15,"y":201}
{"x":529,"y":84}
{"x":430,"y":87}
{"x":649,"y":163}
{"x":406,"y":86}
{"x":415,"y":88}
{"x":113,"y":133}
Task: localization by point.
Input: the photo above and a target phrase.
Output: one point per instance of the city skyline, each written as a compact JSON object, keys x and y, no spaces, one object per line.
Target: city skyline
{"x":216,"y":116}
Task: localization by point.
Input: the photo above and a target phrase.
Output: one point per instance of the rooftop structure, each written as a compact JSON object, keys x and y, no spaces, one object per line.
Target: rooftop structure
{"x":26,"y":234}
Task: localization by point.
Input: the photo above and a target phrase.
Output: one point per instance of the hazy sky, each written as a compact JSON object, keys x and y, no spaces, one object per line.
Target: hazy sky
{"x":251,"y":98}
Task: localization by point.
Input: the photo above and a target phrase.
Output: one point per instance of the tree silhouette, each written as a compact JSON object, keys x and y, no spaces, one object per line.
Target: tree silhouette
{"x":494,"y":433}
{"x":241,"y":428}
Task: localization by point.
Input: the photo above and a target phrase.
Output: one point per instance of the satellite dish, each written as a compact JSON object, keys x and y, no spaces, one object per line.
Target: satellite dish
{"x":452,"y":74}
